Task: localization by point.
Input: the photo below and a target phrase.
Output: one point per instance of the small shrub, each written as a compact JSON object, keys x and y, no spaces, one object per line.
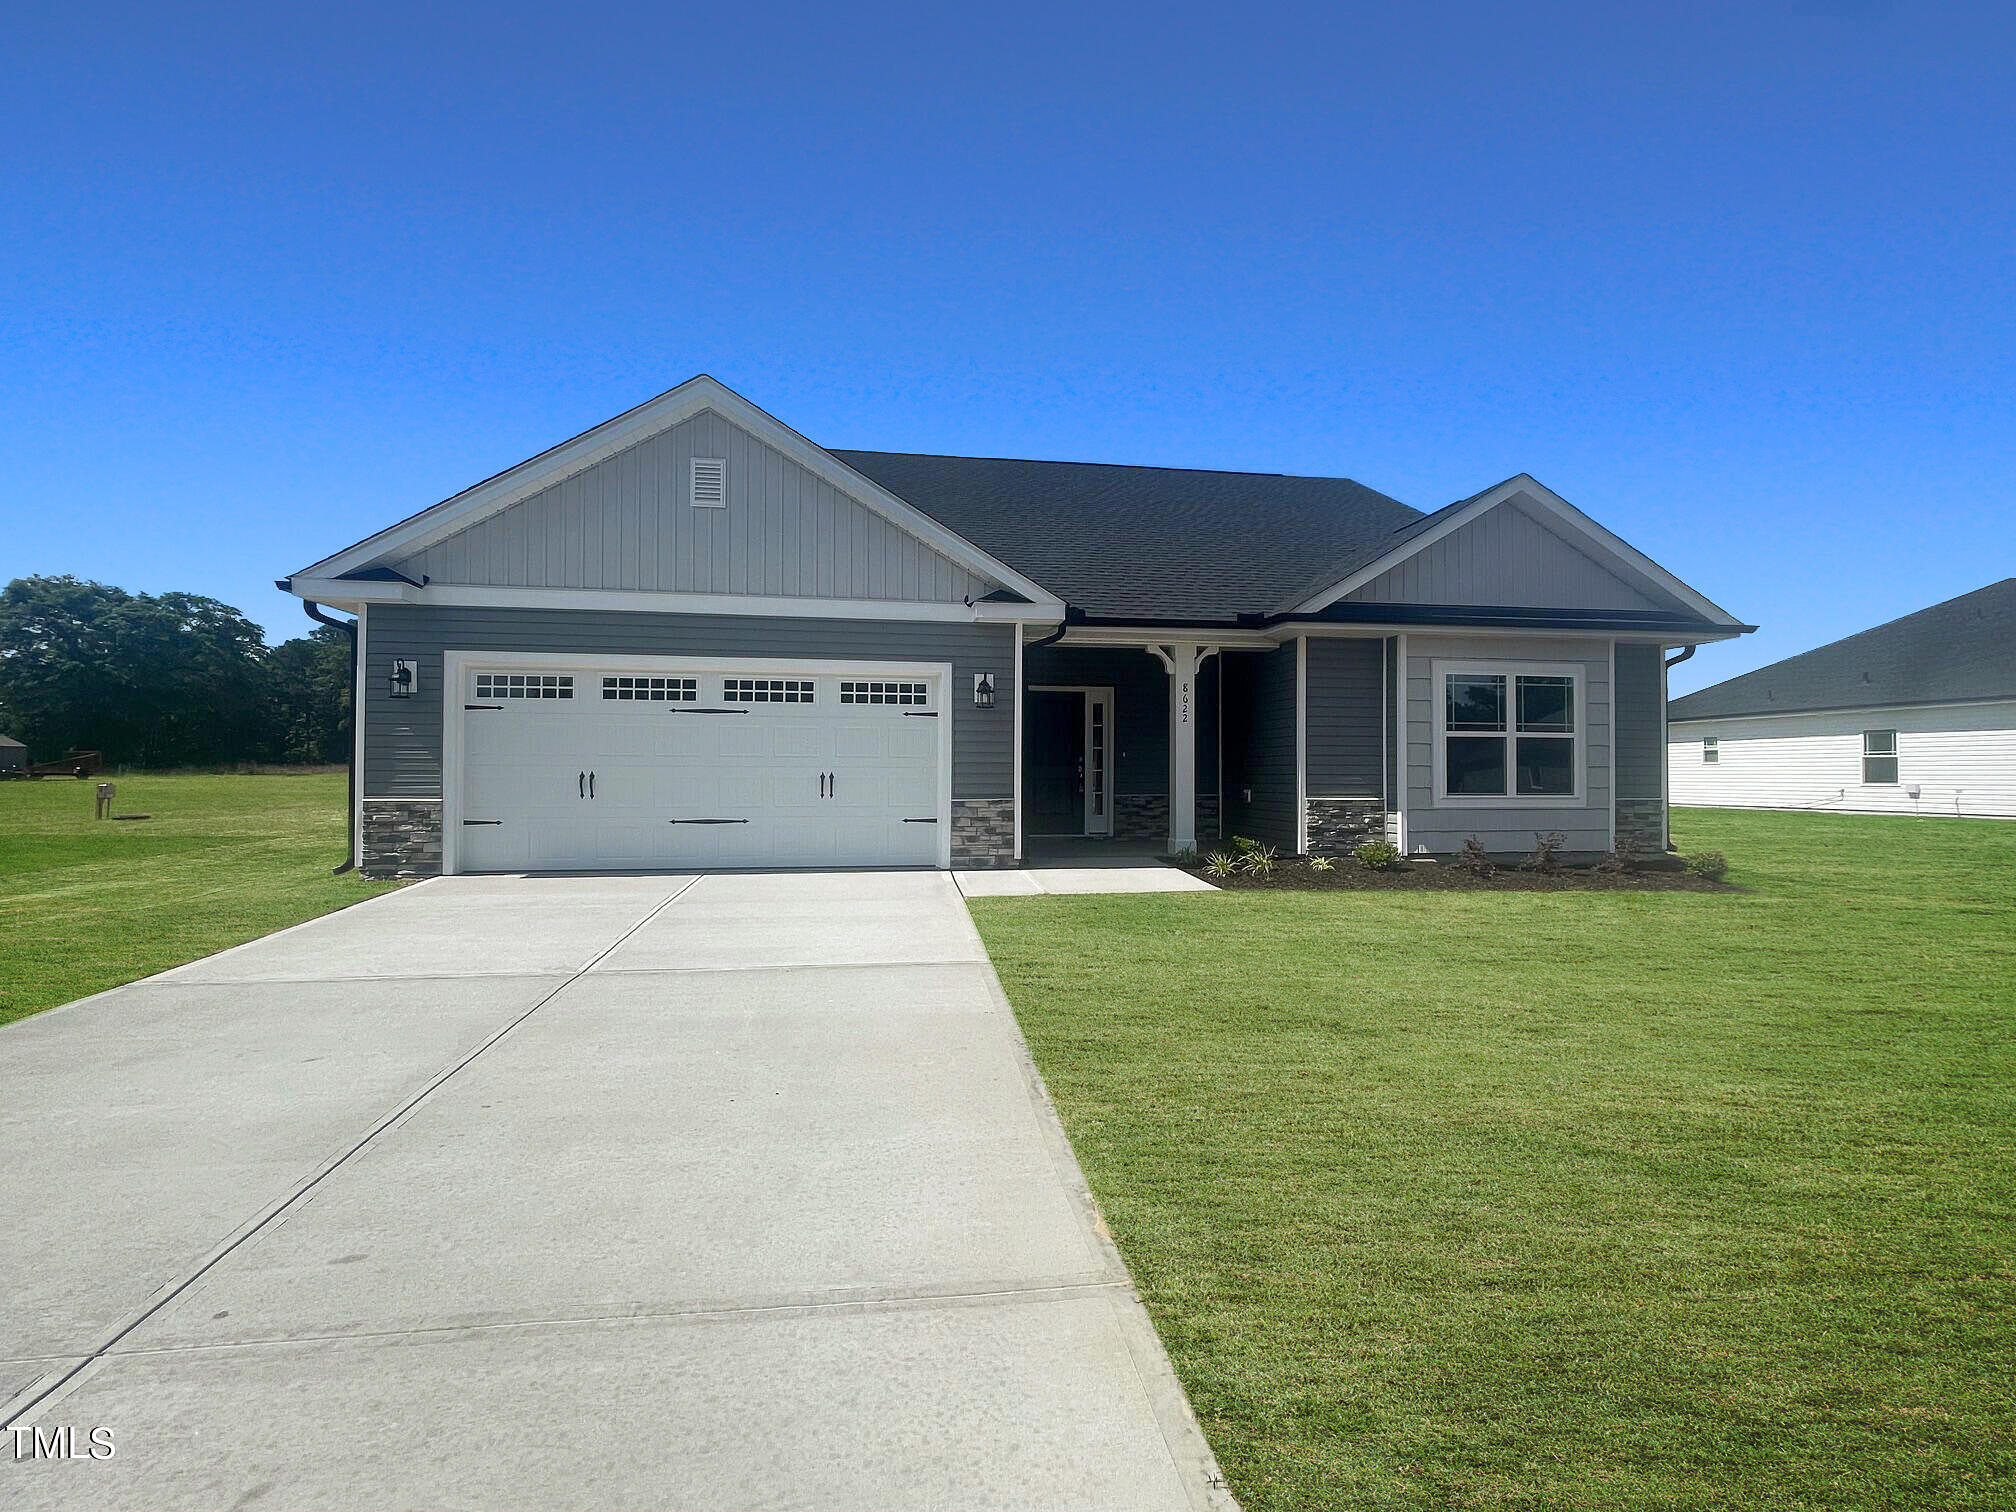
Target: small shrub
{"x":1620,"y":861}
{"x":1474,"y":859}
{"x":1546,"y":857}
{"x":1710,"y":864}
{"x":1221,"y":864}
{"x":1378,"y":855}
{"x":1322,"y":863}
{"x":1242,"y":844}
{"x":1259,"y":861}
{"x":1186,"y":856}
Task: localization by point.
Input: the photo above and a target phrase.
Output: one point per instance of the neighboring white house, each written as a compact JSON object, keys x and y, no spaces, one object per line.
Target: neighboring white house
{"x":1914,"y":717}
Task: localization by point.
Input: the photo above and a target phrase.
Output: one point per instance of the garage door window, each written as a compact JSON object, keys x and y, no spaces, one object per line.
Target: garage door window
{"x":523,"y":685}
{"x":765,"y":690}
{"x":884,"y":693}
{"x":650,"y":689}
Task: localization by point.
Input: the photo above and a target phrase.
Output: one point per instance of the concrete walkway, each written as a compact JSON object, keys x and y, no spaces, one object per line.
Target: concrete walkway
{"x":724,"y":1192}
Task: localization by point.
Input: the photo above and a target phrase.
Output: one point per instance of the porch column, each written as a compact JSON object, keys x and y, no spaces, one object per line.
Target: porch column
{"x":1182,"y":658}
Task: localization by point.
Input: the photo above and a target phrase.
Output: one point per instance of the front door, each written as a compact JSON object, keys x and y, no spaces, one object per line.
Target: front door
{"x":1053,"y":774}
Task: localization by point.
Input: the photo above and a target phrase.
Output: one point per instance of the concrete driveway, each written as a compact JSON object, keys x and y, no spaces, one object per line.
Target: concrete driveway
{"x":722,"y":1192}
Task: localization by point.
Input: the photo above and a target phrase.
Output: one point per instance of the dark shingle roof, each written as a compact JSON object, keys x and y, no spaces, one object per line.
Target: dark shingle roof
{"x":1161,"y":543}
{"x":1962,"y":649}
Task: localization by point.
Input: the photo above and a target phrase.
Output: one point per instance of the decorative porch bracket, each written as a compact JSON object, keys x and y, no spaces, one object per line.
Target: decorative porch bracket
{"x":1181,"y":659}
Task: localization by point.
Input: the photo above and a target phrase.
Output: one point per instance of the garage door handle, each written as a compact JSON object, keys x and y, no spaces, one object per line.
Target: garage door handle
{"x":471,"y":822}
{"x":670,"y":710}
{"x":706,"y":821}
{"x":920,"y":713}
{"x":580,"y":784}
{"x":494,"y":708}
{"x":591,"y":784}
{"x":920,"y":821}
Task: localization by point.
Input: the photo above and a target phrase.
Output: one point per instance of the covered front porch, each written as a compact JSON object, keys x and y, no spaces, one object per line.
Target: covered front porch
{"x":1158,"y":745}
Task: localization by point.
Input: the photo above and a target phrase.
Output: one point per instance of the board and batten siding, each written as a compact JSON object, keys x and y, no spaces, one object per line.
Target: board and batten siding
{"x":629,"y":522}
{"x":1508,"y":556}
{"x":1260,"y":788}
{"x":1347,"y":730}
{"x":1961,"y":757}
{"x":1508,"y":827}
{"x":402,"y":736}
{"x":1641,"y":742}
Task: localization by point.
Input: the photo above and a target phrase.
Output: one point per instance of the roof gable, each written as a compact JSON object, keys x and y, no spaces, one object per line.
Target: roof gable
{"x":412,"y":537}
{"x":1510,"y":556}
{"x":1554,"y":514}
{"x":1961,"y":650}
{"x":630,"y":522}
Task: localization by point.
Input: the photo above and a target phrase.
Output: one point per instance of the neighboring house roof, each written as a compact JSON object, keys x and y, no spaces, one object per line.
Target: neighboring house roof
{"x":1958,"y":651}
{"x":11,"y":743}
{"x":1137,"y":543}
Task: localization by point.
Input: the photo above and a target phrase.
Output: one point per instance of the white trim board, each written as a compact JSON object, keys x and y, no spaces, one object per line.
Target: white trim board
{"x":455,"y":662}
{"x":347,"y":594}
{"x":694,"y":396}
{"x":1563,"y":512}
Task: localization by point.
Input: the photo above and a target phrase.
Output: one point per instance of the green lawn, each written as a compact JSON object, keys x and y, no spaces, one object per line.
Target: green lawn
{"x":86,"y":905}
{"x":1568,"y":1200}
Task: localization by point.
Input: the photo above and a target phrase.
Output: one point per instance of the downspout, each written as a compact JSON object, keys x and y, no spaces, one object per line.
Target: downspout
{"x":1665,"y":744}
{"x":349,"y":629}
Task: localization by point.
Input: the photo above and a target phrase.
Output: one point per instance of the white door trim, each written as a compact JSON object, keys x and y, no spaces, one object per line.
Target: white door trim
{"x":454,"y":663}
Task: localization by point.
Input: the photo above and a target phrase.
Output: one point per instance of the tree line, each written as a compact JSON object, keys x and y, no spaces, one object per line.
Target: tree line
{"x":164,"y":680}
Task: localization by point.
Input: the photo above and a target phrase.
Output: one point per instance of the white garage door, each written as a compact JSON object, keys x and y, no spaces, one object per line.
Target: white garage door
{"x":678,"y":765}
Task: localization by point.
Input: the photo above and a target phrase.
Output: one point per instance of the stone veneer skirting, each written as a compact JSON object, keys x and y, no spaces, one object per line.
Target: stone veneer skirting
{"x":1141,"y":816}
{"x":1338,"y":826}
{"x":1641,"y":824}
{"x":983,"y":832}
{"x":402,"y":838}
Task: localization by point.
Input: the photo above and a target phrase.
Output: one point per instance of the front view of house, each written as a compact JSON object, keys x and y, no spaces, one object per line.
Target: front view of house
{"x":691,"y":638}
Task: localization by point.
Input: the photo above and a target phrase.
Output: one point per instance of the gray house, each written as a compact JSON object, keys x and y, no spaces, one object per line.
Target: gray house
{"x":13,"y":755}
{"x":690,"y":637}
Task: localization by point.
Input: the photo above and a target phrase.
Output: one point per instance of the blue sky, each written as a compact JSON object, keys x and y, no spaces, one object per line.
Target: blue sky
{"x":1735,"y":279}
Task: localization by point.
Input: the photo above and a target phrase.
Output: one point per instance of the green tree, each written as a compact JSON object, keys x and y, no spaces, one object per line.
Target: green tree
{"x":309,"y":682}
{"x":172,"y":679}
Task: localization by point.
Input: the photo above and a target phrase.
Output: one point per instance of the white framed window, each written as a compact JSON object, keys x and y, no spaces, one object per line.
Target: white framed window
{"x":885,"y":693}
{"x":1508,"y":733}
{"x":1879,"y":757}
{"x":524,"y":685}
{"x":650,"y":689}
{"x":766,"y":690}
{"x":710,"y":483}
{"x":1711,"y":750}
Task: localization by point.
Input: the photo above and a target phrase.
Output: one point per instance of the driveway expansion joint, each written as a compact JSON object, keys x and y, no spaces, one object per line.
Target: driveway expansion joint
{"x":38,"y":1393}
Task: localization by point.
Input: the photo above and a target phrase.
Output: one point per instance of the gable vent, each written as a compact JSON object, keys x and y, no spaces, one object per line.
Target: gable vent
{"x":710,"y":482}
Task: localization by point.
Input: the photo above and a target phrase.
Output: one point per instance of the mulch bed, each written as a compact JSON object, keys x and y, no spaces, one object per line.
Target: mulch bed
{"x":1418,"y":876}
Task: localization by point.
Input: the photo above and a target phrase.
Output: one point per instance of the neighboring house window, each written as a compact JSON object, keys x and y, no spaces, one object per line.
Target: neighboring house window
{"x":1510,"y":734}
{"x":1879,"y":756}
{"x":765,"y":690}
{"x":1711,"y":750}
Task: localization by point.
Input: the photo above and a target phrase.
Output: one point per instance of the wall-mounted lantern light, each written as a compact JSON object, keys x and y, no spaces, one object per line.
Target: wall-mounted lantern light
{"x":983,"y":690}
{"x":405,"y":677}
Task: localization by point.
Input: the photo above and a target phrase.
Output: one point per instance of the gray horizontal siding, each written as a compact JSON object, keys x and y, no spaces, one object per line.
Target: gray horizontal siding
{"x":629,"y":522}
{"x":1259,"y":694}
{"x":1346,"y":728}
{"x":1140,"y":710}
{"x":1508,"y":556}
{"x":402,"y":736}
{"x":1641,"y":740}
{"x":1511,"y":827}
